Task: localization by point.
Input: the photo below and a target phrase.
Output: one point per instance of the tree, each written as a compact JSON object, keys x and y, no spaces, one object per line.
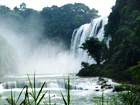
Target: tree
{"x":16,"y":9}
{"x":22,"y":6}
{"x":59,"y":22}
{"x":94,"y":48}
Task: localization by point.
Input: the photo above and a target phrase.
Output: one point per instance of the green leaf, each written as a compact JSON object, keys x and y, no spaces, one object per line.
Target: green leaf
{"x":40,"y":91}
{"x":68,"y":94}
{"x":30,"y":84}
{"x":63,"y":98}
{"x":41,"y":98}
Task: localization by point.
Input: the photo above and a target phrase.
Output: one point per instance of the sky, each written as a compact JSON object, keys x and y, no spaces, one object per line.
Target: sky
{"x":103,"y":6}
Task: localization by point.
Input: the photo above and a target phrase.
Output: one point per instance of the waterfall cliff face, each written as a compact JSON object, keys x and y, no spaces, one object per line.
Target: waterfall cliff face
{"x":93,"y":29}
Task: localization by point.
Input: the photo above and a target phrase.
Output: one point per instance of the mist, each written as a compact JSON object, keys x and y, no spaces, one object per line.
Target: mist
{"x":33,"y":54}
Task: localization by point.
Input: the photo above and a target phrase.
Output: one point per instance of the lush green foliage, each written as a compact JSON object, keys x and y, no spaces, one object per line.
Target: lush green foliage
{"x":21,"y":21}
{"x":135,"y":73}
{"x":59,"y":22}
{"x":91,"y":70}
{"x":131,"y":98}
{"x":123,"y":27}
{"x":94,"y":48}
{"x":124,"y":51}
{"x":54,"y":22}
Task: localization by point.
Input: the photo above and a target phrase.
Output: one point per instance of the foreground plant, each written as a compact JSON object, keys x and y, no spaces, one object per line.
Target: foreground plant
{"x":67,"y":87}
{"x":13,"y":101}
{"x":103,"y":100}
{"x":33,"y":94}
{"x":130,"y":98}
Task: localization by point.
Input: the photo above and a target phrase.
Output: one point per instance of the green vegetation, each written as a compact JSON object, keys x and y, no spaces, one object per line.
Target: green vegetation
{"x":121,"y":59}
{"x":123,"y":56}
{"x":67,"y":87}
{"x":91,"y":70}
{"x":54,"y":22}
{"x":124,"y":49}
{"x":135,"y":73}
{"x":130,"y":97}
{"x":94,"y":48}
{"x":39,"y":97}
{"x":124,"y":52}
{"x":60,"y":22}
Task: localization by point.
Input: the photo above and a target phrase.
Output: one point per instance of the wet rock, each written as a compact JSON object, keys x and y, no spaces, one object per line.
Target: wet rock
{"x":97,"y":90}
{"x":104,"y":82}
{"x":121,"y":88}
{"x":53,"y":96}
{"x":100,"y":83}
{"x":110,"y":87}
{"x":80,"y":88}
{"x":101,"y":79}
{"x":106,"y":86}
{"x":118,"y":89}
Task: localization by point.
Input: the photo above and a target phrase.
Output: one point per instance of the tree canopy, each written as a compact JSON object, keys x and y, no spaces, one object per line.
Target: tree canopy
{"x":59,"y":22}
{"x":94,"y":48}
{"x":124,"y":47}
{"x":54,"y":22}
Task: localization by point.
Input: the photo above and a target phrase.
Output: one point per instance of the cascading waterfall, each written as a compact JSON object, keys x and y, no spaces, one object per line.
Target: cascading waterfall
{"x":49,"y":84}
{"x":93,"y":29}
{"x":1,"y":88}
{"x":53,"y":82}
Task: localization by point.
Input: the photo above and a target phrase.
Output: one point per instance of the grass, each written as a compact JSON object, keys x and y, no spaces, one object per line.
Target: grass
{"x":107,"y":101}
{"x":37,"y":98}
{"x":67,"y":87}
{"x":131,"y":98}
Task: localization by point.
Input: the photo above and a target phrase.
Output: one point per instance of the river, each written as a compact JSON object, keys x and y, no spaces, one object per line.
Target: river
{"x":84,"y":91}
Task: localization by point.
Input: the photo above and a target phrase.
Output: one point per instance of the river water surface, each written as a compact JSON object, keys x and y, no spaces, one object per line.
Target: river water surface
{"x":84,"y":91}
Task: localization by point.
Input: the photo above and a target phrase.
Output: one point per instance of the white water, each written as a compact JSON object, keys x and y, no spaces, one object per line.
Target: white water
{"x":52,"y":59}
{"x":83,"y":90}
{"x":93,"y":29}
{"x":34,"y":56}
{"x":1,"y":88}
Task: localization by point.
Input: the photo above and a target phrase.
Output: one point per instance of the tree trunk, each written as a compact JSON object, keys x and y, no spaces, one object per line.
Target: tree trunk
{"x":98,"y":62}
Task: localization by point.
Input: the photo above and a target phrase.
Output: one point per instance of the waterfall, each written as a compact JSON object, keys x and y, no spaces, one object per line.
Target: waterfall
{"x":1,"y":88}
{"x":93,"y":29}
{"x":49,"y":84}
